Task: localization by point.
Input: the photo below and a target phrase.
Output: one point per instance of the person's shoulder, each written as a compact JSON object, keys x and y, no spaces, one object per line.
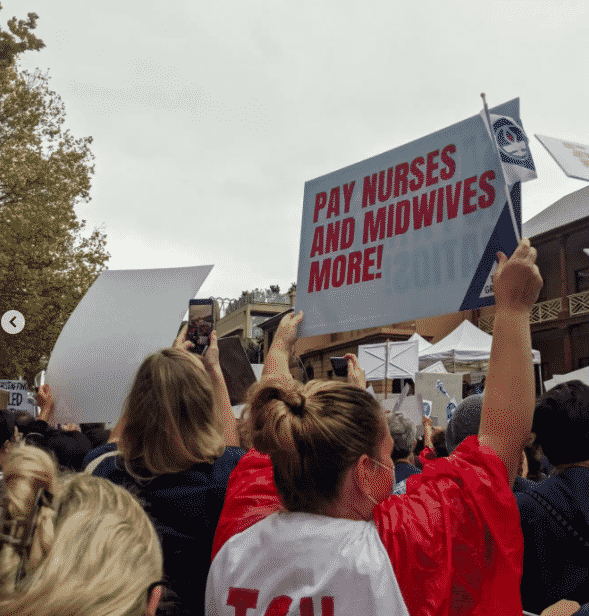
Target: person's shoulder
{"x":224,"y":464}
{"x":528,"y":500}
{"x":110,"y":467}
{"x":97,"y":452}
{"x":232,"y":453}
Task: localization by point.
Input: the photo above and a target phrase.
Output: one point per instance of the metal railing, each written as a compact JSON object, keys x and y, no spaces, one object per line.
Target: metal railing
{"x":258,"y":297}
{"x":548,"y":310}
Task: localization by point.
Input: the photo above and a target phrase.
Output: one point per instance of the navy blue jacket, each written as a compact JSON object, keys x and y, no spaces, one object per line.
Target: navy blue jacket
{"x":185,"y":509}
{"x":404,"y":470}
{"x":556,"y":563}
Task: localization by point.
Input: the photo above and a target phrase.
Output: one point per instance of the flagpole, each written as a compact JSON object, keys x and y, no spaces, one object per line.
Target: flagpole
{"x":492,"y":132}
{"x":386,"y":369}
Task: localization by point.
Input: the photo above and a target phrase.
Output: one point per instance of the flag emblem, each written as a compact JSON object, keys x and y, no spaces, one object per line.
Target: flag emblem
{"x":512,"y":142}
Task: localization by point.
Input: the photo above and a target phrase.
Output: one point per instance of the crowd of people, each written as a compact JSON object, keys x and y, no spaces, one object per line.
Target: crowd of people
{"x":317,"y":501}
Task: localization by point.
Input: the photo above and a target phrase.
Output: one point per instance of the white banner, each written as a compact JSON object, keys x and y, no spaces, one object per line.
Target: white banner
{"x":124,"y":316}
{"x":570,"y":156}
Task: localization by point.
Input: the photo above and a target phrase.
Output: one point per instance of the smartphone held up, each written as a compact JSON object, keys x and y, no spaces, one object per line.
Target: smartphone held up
{"x":201,"y":323}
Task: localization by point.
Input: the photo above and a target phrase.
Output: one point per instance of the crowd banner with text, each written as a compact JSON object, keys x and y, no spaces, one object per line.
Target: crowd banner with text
{"x":410,"y":233}
{"x":571,"y":157}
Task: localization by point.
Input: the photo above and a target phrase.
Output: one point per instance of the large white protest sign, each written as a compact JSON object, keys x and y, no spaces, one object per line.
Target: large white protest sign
{"x":570,"y":156}
{"x":389,"y":360}
{"x":407,"y":234}
{"x":124,"y":316}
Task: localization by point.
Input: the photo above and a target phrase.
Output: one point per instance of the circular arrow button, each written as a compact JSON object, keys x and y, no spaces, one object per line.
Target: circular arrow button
{"x":12,"y":322}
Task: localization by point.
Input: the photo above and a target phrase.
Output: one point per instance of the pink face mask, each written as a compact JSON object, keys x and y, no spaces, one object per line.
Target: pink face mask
{"x":390,"y":468}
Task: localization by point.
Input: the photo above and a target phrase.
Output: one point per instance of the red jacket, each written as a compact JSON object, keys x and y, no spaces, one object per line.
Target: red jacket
{"x":454,"y":539}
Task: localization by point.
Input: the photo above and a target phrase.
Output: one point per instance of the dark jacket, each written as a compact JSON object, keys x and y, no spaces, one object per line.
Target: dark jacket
{"x":185,"y":509}
{"x":556,"y":562}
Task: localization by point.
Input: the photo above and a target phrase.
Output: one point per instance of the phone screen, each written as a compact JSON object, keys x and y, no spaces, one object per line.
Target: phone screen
{"x":200,"y":324}
{"x":340,"y":366}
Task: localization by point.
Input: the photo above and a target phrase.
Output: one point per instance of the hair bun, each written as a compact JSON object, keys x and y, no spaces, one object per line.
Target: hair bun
{"x":296,"y":402}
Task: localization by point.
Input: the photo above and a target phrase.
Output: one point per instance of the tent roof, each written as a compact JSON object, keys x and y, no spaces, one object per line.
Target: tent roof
{"x":422,"y":343}
{"x":466,"y":343}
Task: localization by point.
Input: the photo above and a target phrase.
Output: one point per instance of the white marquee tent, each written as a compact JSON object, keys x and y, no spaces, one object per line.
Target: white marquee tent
{"x":422,"y":343}
{"x":467,"y":344}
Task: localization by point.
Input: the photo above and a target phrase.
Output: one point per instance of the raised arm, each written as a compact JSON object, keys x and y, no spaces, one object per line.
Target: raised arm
{"x":356,"y":376}
{"x":276,"y":364}
{"x":221,"y":400}
{"x":509,"y":400}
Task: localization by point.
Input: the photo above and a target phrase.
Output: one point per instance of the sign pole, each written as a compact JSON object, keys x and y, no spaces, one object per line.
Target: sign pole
{"x":386,"y":370}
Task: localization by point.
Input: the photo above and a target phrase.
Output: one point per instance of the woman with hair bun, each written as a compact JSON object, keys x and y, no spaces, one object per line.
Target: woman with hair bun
{"x":309,"y":524}
{"x":177,"y":447}
{"x":73,"y":545}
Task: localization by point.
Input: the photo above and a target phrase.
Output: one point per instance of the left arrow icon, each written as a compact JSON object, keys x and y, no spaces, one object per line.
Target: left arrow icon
{"x":13,"y":322}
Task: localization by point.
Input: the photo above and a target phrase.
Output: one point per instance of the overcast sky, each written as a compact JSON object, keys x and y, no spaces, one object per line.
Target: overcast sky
{"x":208,"y":117}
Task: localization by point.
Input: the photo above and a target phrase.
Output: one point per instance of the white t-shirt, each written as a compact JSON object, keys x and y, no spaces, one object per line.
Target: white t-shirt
{"x":301,"y":563}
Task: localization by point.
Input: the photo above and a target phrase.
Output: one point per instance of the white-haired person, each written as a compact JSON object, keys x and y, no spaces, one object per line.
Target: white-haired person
{"x":331,"y":539}
{"x":177,"y":446}
{"x":73,"y":545}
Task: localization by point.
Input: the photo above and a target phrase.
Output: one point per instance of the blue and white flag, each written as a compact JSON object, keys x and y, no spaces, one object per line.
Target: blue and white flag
{"x":513,"y":148}
{"x":450,"y":409}
{"x":440,"y":387}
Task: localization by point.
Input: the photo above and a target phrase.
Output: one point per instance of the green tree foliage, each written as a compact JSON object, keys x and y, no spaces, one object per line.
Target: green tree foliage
{"x":46,"y":265}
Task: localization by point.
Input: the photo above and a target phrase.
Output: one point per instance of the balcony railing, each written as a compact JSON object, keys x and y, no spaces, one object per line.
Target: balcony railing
{"x":486,"y":324}
{"x":579,"y":303}
{"x":548,"y":310}
{"x":258,"y":297}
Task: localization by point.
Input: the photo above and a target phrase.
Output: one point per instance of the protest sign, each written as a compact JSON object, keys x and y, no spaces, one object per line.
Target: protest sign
{"x":426,"y":406}
{"x":426,"y":385}
{"x":410,"y":233}
{"x":124,"y":316}
{"x":389,"y":360}
{"x":436,"y":367}
{"x":17,"y":398}
{"x":571,"y":157}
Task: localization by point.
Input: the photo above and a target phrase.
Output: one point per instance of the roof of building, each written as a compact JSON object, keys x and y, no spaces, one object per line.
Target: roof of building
{"x":568,"y":209}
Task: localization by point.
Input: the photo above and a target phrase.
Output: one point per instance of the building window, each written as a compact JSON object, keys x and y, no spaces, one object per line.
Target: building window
{"x":582,"y":279}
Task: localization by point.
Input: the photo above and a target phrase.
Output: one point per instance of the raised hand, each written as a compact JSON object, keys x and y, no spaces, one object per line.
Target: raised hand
{"x":286,"y":334}
{"x":211,"y":358}
{"x":46,"y":402}
{"x":356,"y":376}
{"x":181,"y":342}
{"x":517,"y":280}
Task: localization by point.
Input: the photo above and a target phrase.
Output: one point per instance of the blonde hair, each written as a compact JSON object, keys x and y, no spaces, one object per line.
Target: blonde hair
{"x":95,"y":552}
{"x":168,"y":422}
{"x":313,"y":434}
